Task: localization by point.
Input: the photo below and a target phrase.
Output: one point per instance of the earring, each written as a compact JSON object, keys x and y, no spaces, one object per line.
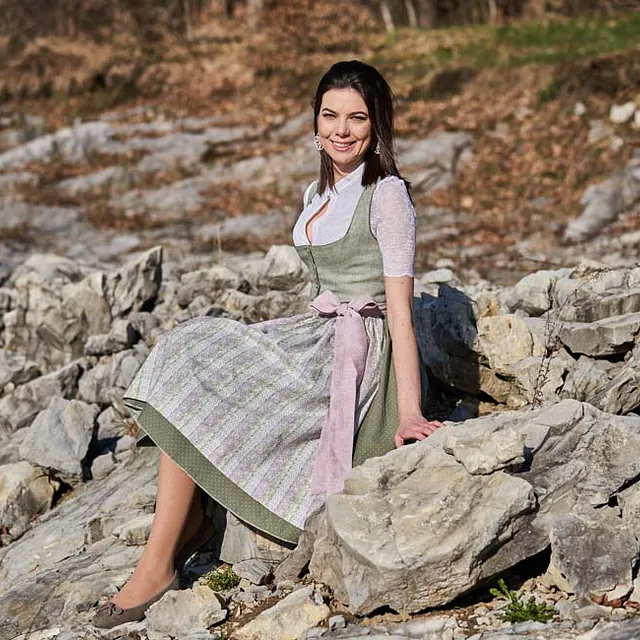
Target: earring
{"x":317,"y":143}
{"x":376,"y":149}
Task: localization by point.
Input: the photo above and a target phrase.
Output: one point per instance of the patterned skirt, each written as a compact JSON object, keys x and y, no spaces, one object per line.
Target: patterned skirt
{"x":240,"y":408}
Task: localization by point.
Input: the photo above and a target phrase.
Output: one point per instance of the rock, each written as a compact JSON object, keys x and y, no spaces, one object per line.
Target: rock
{"x":121,"y":336}
{"x":433,"y":162}
{"x":603,"y":337}
{"x":16,"y":369}
{"x":289,"y":619}
{"x":19,"y":408}
{"x":610,"y":548}
{"x":439,"y":276}
{"x":337,"y":622}
{"x":25,"y":128}
{"x":548,"y":374}
{"x":55,"y":556}
{"x":111,"y":425}
{"x":254,"y":570}
{"x":585,"y":381}
{"x":621,"y":113}
{"x":283,"y":268}
{"x":9,"y":181}
{"x":593,"y":306}
{"x":60,"y":435}
{"x":599,"y":130}
{"x":136,"y":531}
{"x":533,"y":294}
{"x":237,"y":541}
{"x":39,"y":219}
{"x":108,"y":380}
{"x":206,"y":282}
{"x":603,"y":202}
{"x":135,"y":286}
{"x":372,"y":537}
{"x":25,"y":492}
{"x":503,"y":341}
{"x":111,"y":180}
{"x":179,"y":613}
{"x":74,"y":144}
{"x":103,"y":465}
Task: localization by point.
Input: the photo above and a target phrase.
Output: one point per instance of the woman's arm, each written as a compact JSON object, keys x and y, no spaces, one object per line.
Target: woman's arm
{"x":412,"y":424}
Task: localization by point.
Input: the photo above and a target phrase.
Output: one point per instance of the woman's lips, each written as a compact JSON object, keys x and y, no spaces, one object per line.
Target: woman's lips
{"x":342,"y":146}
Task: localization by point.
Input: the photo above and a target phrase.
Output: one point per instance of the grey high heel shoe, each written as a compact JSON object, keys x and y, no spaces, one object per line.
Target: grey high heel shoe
{"x":111,"y":615}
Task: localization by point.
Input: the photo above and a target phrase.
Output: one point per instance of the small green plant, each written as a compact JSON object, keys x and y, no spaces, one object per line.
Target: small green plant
{"x":221,"y":579}
{"x":519,"y":610}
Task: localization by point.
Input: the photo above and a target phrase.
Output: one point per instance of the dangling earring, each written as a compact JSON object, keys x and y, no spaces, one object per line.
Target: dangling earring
{"x":376,"y":149}
{"x":317,"y":143}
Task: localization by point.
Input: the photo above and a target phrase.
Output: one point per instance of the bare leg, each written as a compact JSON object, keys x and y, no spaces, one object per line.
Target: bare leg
{"x":178,"y":514}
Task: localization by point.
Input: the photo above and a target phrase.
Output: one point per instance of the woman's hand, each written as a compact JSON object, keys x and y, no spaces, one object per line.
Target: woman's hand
{"x":415,"y":428}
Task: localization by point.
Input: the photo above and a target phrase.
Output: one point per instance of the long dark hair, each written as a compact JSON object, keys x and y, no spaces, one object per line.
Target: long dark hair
{"x":378,"y":97}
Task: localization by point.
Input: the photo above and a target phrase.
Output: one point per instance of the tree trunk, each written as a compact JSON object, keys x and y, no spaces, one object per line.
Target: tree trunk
{"x":387,"y":18}
{"x":412,"y":15}
{"x":186,"y":13}
{"x":427,"y":13}
{"x":254,"y":12}
{"x":493,"y":11}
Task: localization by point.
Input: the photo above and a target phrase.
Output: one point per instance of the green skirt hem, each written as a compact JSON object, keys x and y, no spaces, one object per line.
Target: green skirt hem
{"x":208,"y":477}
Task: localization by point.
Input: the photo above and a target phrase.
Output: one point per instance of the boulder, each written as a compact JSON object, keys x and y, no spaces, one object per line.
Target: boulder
{"x":59,"y":437}
{"x":282,"y":268}
{"x":121,"y":336}
{"x":595,"y":552}
{"x":289,"y":619}
{"x":603,"y":337}
{"x":20,"y":407}
{"x":136,"y":531}
{"x":382,"y":542}
{"x":74,"y":144}
{"x":206,"y":282}
{"x":16,"y":369}
{"x":179,"y":613}
{"x":25,"y":491}
{"x":111,"y":181}
{"x":109,"y":379}
{"x":135,"y":286}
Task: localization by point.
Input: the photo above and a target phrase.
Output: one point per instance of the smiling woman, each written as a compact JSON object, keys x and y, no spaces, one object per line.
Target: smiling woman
{"x":268,"y":419}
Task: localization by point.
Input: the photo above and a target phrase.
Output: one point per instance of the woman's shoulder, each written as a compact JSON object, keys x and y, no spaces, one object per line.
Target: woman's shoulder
{"x":390,"y":186}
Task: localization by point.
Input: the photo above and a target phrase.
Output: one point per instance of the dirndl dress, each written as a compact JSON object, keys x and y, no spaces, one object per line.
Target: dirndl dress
{"x":241,"y":408}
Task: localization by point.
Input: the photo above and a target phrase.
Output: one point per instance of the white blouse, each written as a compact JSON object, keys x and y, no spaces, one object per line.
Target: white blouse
{"x":393,"y":219}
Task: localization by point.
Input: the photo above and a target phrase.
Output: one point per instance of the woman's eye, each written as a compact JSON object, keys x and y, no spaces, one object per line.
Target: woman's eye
{"x":328,"y":115}
{"x":359,"y":118}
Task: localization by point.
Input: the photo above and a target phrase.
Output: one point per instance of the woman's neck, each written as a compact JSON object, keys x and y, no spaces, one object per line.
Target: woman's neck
{"x":340,"y":173}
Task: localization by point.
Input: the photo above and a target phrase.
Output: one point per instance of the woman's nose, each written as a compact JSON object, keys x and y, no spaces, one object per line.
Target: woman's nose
{"x":342,"y":127}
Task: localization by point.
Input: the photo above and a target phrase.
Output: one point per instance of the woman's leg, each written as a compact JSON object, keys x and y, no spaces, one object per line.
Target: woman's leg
{"x":177,"y":517}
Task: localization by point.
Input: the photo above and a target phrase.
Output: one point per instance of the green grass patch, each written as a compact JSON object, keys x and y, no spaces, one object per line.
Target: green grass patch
{"x":520,"y":610}
{"x":221,"y":579}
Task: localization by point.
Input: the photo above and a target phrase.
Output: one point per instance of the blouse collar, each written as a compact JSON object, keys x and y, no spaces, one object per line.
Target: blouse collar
{"x":349,"y":179}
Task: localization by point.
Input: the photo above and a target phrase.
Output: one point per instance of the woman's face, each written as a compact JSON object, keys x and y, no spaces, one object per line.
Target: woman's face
{"x":344,"y":128}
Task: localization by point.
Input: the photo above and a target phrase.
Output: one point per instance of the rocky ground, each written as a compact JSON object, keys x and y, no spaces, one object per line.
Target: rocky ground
{"x":115,"y":230}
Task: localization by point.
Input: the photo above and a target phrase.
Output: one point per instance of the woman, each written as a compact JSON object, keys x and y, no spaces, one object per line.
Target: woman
{"x":262,"y":417}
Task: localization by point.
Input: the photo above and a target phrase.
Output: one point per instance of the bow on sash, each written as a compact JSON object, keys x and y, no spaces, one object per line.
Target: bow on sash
{"x":335,"y":451}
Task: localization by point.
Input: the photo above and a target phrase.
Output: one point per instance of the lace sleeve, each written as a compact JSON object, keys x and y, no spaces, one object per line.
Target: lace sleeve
{"x":393,"y":223}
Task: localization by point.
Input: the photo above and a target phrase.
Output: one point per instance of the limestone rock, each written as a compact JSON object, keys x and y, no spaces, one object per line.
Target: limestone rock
{"x":136,"y":531}
{"x":533,"y":294}
{"x":60,"y":435}
{"x":108,"y":380}
{"x":621,"y":113}
{"x":17,"y":369}
{"x":254,"y":570}
{"x":19,"y":408}
{"x":121,"y":336}
{"x":111,"y":181}
{"x":595,"y":552}
{"x":179,"y":613}
{"x":380,"y":540}
{"x":603,"y":337}
{"x":135,"y":286}
{"x":503,"y":341}
{"x":288,"y":619}
{"x":206,"y":282}
{"x":622,"y":393}
{"x":25,"y":491}
{"x":74,"y":144}
{"x":283,"y":268}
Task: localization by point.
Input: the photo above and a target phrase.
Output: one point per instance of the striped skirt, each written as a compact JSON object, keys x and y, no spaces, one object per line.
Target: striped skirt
{"x":240,"y":408}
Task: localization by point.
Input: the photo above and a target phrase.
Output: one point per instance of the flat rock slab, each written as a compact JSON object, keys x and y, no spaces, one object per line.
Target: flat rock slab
{"x":603,"y":337}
